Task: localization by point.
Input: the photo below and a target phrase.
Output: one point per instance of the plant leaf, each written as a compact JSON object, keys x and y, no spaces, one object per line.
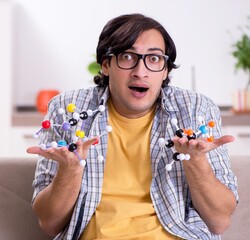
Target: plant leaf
{"x":94,"y":68}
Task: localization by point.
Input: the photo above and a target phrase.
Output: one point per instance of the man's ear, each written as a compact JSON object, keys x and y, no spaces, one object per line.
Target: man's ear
{"x":105,"y":67}
{"x":165,"y":74}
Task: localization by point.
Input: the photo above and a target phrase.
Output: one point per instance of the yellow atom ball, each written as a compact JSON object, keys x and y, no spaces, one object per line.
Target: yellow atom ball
{"x":80,"y":134}
{"x":71,"y":107}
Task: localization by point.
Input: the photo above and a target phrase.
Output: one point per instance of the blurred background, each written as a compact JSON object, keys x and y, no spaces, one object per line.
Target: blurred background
{"x":53,"y":42}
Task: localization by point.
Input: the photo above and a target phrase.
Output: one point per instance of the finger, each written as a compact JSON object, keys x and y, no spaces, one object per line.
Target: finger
{"x":201,"y":145}
{"x":176,"y":141}
{"x":90,"y":142}
{"x":38,"y":151}
{"x":50,"y":150}
{"x":83,"y":147}
{"x":223,"y":140}
{"x":193,"y":144}
{"x":64,"y":152}
{"x":33,"y":150}
{"x":183,"y":141}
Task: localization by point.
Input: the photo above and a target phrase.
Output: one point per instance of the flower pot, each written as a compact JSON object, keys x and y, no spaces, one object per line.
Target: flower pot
{"x":241,"y":101}
{"x":43,"y":98}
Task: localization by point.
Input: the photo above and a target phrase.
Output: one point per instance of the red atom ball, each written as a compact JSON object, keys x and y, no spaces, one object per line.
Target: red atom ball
{"x":46,"y":124}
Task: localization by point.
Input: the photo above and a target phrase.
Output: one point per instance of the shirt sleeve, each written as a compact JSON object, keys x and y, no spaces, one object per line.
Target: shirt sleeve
{"x":219,"y":157}
{"x":47,"y":168}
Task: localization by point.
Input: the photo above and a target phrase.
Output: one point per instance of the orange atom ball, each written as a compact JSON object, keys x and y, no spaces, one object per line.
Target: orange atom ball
{"x":189,"y":132}
{"x":211,"y":124}
{"x":210,"y":139}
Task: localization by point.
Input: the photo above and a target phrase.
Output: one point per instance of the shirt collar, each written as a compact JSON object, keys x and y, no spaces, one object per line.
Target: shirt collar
{"x":167,"y":99}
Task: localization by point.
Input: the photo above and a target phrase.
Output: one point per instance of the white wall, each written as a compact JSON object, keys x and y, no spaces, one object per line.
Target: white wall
{"x":54,"y":40}
{"x":5,"y":77}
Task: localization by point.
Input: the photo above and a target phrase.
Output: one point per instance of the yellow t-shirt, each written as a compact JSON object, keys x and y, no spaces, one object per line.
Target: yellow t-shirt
{"x":126,"y":210}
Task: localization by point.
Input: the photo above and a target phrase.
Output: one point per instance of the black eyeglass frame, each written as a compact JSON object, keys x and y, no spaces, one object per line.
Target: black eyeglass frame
{"x":143,"y":57}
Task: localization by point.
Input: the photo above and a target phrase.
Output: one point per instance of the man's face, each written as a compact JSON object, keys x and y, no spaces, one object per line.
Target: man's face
{"x":134,"y":91}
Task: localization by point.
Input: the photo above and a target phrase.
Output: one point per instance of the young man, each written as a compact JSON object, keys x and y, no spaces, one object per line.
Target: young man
{"x":128,"y":192}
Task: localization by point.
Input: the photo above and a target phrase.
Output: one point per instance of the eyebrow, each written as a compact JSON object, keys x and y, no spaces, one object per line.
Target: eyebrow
{"x":150,"y":49}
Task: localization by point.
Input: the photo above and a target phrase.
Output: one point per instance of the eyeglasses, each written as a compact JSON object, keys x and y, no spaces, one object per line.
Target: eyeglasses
{"x":129,"y":60}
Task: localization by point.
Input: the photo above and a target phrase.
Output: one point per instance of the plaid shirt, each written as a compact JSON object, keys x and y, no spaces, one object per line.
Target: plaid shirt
{"x":169,"y":190}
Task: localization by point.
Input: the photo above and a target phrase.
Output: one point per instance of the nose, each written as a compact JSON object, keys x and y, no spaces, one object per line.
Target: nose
{"x":140,"y":70}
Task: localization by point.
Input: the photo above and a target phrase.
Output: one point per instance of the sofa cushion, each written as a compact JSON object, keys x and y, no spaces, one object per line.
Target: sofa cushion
{"x":17,"y":219}
{"x":239,"y":228}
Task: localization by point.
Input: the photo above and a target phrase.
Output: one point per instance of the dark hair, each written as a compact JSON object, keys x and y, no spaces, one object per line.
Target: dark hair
{"x":120,"y":33}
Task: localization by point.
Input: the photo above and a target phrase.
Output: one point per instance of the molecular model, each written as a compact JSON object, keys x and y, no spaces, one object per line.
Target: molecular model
{"x":203,"y":131}
{"x":68,"y":127}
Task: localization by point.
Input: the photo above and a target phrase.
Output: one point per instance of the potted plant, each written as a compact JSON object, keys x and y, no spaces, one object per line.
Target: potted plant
{"x":241,"y":52}
{"x":94,"y":68}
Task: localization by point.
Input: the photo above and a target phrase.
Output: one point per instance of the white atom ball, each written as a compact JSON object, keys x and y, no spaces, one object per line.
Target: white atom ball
{"x":100,"y":158}
{"x":89,"y":112}
{"x":76,"y":116}
{"x":83,"y":163}
{"x":43,"y":146}
{"x":61,"y":111}
{"x":101,"y":108}
{"x":161,"y":142}
{"x":109,"y":129}
{"x":174,"y":121}
{"x":168,"y":167}
{"x":53,"y":144}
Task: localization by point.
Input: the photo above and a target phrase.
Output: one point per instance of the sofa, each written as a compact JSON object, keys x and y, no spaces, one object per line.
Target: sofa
{"x":17,"y":219}
{"x":240,"y":222}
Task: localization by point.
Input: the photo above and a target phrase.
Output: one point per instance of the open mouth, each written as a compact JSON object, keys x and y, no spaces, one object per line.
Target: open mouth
{"x":139,"y":89}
